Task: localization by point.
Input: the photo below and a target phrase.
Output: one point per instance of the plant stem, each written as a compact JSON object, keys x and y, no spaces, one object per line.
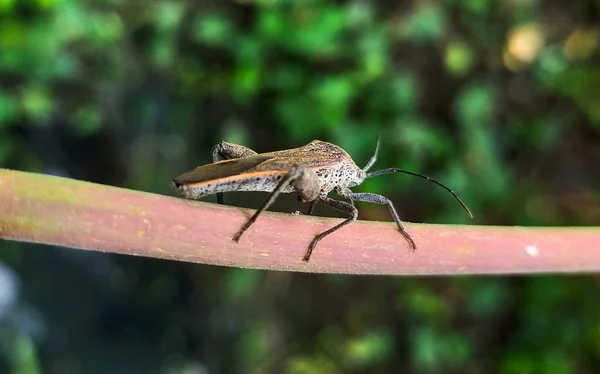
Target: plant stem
{"x":51,"y":210}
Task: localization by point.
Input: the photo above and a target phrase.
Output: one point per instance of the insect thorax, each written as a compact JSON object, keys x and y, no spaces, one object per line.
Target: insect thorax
{"x":341,"y":176}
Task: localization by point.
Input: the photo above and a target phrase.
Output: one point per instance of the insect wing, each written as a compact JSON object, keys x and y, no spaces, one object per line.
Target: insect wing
{"x":221,"y":169}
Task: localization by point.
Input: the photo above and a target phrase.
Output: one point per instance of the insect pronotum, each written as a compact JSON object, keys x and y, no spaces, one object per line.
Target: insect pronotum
{"x":312,"y":171}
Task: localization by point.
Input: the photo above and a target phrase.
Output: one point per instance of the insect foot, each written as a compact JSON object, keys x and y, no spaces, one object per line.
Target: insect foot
{"x":342,"y":206}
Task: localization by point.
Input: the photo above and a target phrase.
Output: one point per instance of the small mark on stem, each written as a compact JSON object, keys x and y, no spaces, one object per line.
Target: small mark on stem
{"x":532,"y":250}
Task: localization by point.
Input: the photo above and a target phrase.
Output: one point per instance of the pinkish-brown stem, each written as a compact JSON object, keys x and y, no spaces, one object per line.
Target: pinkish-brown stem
{"x":50,"y":210}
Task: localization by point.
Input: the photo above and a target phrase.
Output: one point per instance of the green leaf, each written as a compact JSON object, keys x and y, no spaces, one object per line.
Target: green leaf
{"x":8,"y":146}
{"x":487,"y":296}
{"x":420,"y":139}
{"x":213,"y":29}
{"x":425,"y":304}
{"x":254,"y":344}
{"x":456,"y":350}
{"x":162,"y":51}
{"x":406,"y":92}
{"x":270,"y":24}
{"x":8,"y":108}
{"x":323,"y":33}
{"x":37,"y":103}
{"x":290,"y":78}
{"x":235,"y":131}
{"x":298,"y":113}
{"x":246,"y":82}
{"x":480,"y":7}
{"x":310,"y":365}
{"x":87,"y":120}
{"x":6,"y":6}
{"x":168,"y":15}
{"x":426,"y":23}
{"x":106,"y":29}
{"x":242,"y":283}
{"x":373,"y":50}
{"x":458,"y":58}
{"x":24,"y":355}
{"x":248,"y":73}
{"x":368,"y":349}
{"x":333,"y":95}
{"x":425,"y":346}
{"x":475,"y":105}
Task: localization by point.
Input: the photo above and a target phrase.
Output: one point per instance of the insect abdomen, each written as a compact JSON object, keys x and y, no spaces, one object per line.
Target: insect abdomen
{"x":257,"y":181}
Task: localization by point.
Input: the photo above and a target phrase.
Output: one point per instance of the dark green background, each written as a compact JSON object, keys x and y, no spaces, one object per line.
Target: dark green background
{"x":498,"y":99}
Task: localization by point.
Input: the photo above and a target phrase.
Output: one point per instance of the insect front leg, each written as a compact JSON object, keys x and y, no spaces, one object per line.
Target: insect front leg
{"x":378,"y":199}
{"x":342,"y":206}
{"x":302,"y":179}
{"x":229,"y":151}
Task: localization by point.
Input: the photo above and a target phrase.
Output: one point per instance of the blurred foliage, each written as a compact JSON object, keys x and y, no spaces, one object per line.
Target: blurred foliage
{"x":500,"y":100}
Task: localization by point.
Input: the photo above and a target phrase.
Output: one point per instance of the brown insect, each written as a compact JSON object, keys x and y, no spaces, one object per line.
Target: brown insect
{"x":312,"y":171}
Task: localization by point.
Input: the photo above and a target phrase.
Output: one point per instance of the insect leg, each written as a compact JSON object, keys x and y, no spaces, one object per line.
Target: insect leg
{"x":288,"y":178}
{"x":311,"y":207}
{"x":228,"y":151}
{"x":342,"y":206}
{"x":378,"y":199}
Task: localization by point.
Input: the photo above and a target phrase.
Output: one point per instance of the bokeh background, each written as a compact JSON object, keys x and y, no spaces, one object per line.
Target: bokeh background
{"x":498,"y":99}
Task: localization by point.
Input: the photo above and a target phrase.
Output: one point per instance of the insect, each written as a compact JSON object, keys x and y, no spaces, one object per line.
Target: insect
{"x":312,"y":171}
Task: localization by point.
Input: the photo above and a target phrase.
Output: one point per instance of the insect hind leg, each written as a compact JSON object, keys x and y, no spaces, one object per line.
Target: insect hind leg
{"x":229,"y":151}
{"x":342,"y":206}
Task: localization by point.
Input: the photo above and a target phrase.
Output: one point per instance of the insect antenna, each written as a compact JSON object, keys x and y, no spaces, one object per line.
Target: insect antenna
{"x":396,"y":170}
{"x":373,"y":158}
